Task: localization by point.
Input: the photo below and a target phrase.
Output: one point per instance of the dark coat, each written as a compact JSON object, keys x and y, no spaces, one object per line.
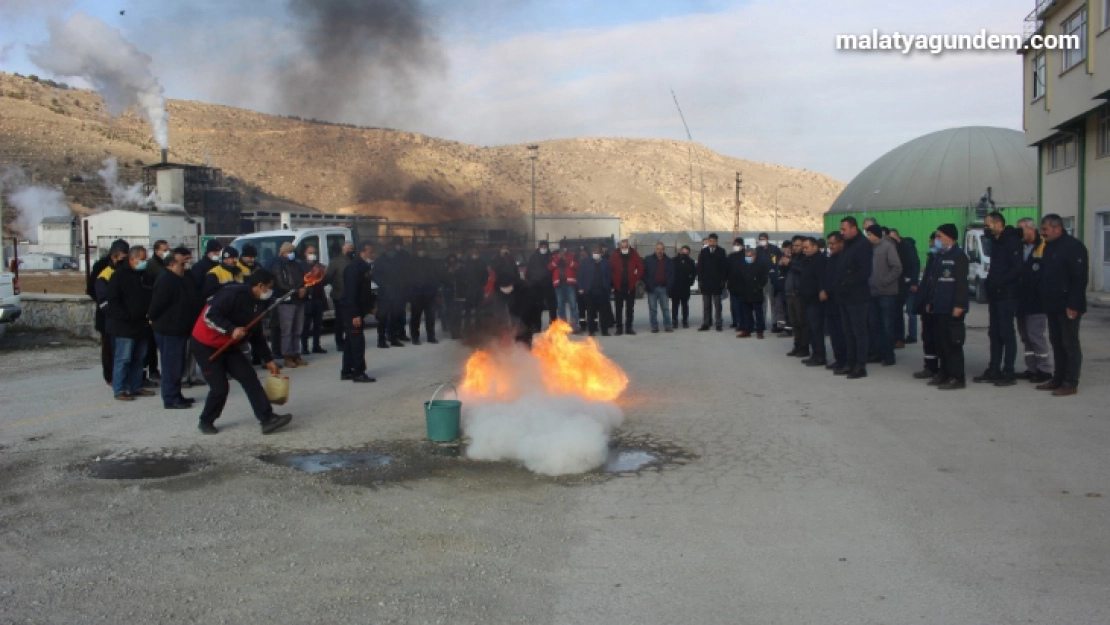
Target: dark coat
{"x":200,"y":271}
{"x":174,"y":305}
{"x":946,"y":287}
{"x":288,"y":276}
{"x":854,"y":271}
{"x":504,"y":265}
{"x":536,"y":272}
{"x":911,"y":263}
{"x":685,"y":273}
{"x":712,"y":271}
{"x":753,"y":279}
{"x":595,"y":275}
{"x":1029,"y":302}
{"x":91,"y":290}
{"x":922,"y":300}
{"x":358,"y":289}
{"x":128,"y":303}
{"x":424,"y":277}
{"x":809,"y":279}
{"x":390,"y":275}
{"x":1004,"y":276}
{"x":233,"y":306}
{"x":828,"y":284}
{"x":1063,"y":282}
{"x":735,"y":280}
{"x":475,"y":272}
{"x":651,"y":270}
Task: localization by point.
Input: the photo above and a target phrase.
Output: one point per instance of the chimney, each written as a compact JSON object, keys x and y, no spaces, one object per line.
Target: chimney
{"x":165,"y":155}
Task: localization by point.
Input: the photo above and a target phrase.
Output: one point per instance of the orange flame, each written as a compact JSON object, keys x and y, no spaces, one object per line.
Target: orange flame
{"x":314,"y":276}
{"x":566,"y":368}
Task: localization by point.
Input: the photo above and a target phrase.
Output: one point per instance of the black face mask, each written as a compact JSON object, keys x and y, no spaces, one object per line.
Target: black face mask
{"x":350,"y":254}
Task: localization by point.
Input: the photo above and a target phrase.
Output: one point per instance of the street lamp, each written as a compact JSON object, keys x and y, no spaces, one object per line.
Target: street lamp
{"x":533,"y":152}
{"x":781,"y":186}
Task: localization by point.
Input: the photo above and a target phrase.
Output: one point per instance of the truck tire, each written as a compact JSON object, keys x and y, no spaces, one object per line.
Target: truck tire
{"x":980,"y":293}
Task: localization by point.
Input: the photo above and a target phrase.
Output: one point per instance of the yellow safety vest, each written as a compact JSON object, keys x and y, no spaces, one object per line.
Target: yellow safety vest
{"x":107,"y":273}
{"x":224,"y":276}
{"x":244,"y":272}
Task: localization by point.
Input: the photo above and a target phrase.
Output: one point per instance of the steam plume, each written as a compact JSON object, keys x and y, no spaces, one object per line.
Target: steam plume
{"x":121,"y":195}
{"x":358,"y":53}
{"x":34,"y":202}
{"x":87,"y":47}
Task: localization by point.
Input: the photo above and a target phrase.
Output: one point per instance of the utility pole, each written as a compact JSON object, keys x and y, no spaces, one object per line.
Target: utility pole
{"x":736,"y":222}
{"x":533,"y":152}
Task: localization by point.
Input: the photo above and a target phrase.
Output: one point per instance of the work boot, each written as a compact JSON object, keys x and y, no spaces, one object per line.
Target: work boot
{"x":396,"y":343}
{"x":300,"y":361}
{"x":620,"y":331}
{"x":759,"y":335}
{"x":989,"y":377}
{"x":1065,"y":390}
{"x":899,"y":345}
{"x":275,"y":422}
{"x":1006,"y":380}
{"x":857,"y":373}
{"x":668,"y":329}
{"x":1051,"y":385}
{"x":432,"y":339}
{"x":290,"y":363}
{"x":382,"y":344}
{"x":144,"y":393}
{"x":124,"y":396}
{"x":703,"y":329}
{"x":319,"y":350}
{"x":686,"y":325}
{"x":362,"y":379}
{"x":815,"y":362}
{"x":953,"y":385}
{"x":630,"y":332}
{"x":1040,"y":377}
{"x":744,"y":335}
{"x":207,"y":428}
{"x":938,"y":380}
{"x":415,"y":340}
{"x":924,"y":374}
{"x":842,"y":371}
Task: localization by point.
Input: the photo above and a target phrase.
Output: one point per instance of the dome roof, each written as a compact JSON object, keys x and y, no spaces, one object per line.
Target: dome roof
{"x":947,"y":168}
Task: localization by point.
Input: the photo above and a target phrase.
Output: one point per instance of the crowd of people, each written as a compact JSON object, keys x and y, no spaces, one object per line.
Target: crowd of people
{"x":847,"y":300}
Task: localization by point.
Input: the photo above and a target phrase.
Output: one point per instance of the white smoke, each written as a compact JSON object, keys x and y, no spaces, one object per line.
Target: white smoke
{"x":121,"y":195}
{"x":34,"y":202}
{"x":87,"y":47}
{"x":550,"y":434}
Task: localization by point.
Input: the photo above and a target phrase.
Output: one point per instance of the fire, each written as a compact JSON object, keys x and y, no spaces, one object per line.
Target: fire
{"x":566,"y":368}
{"x":314,"y":276}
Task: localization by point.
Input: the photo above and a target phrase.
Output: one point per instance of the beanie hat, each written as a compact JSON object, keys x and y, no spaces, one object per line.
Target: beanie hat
{"x":230,"y":252}
{"x":286,"y":248}
{"x":738,"y":241}
{"x":212,"y":246}
{"x":875,"y":231}
{"x":504,"y":279}
{"x":950,"y":231}
{"x":249,"y":250}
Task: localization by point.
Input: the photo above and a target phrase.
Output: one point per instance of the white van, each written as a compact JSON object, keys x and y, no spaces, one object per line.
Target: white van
{"x":328,"y":242}
{"x":978,"y":247}
{"x":10,"y":300}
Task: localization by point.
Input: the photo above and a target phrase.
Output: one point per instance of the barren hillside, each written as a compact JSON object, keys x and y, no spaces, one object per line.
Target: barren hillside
{"x":63,"y":135}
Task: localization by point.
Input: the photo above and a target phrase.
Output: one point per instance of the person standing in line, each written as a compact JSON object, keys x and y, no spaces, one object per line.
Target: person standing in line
{"x":334,"y":276}
{"x":475,"y":273}
{"x":735,"y":281}
{"x":315,"y":304}
{"x":886,"y":274}
{"x":248,"y":259}
{"x":1063,"y":289}
{"x":224,"y":320}
{"x":905,"y":333}
{"x":809,"y":292}
{"x":712,"y":274}
{"x":174,"y":307}
{"x":537,"y":274}
{"x":947,"y":302}
{"x":659,"y":279}
{"x":781,"y":273}
{"x":685,"y":274}
{"x":211,"y":259}
{"x":595,"y":283}
{"x":289,"y":276}
{"x":97,"y":289}
{"x":752,"y":288}
{"x":1032,"y":323}
{"x":128,"y":303}
{"x":832,"y":306}
{"x":1003,"y":280}
{"x":583,"y":305}
{"x":454,"y":298}
{"x":156,"y":264}
{"x":564,"y":279}
{"x":227,"y":272}
{"x":853,"y":294}
{"x":424,"y":280}
{"x":928,"y":342}
{"x":358,"y":302}
{"x":795,"y":266}
{"x":769,"y":254}
{"x":628,"y":270}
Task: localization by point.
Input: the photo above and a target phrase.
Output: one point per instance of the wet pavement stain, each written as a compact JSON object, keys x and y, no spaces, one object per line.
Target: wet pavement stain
{"x":141,"y":468}
{"x":622,"y":460}
{"x":329,"y":461}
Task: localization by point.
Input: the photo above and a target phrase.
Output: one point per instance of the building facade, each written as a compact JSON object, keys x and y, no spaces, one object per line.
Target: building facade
{"x":1067,"y":119}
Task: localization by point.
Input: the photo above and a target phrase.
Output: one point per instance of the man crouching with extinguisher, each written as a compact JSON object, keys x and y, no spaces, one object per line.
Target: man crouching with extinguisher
{"x":224,"y":320}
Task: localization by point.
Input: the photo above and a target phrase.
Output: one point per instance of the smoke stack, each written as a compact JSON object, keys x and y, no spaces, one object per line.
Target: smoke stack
{"x":165,"y":155}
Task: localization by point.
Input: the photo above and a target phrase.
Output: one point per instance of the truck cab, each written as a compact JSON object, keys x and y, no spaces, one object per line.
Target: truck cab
{"x":977,"y":244}
{"x":328,"y":242}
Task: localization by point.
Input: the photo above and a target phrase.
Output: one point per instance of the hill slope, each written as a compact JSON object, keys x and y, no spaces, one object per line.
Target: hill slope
{"x":63,"y":135}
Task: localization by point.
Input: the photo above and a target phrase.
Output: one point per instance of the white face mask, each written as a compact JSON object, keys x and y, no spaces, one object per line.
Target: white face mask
{"x":504,"y":252}
{"x":624,"y":250}
{"x":265,"y":296}
{"x":214,"y":257}
{"x":704,"y":245}
{"x":506,"y":290}
{"x":164,"y":255}
{"x":762,"y":244}
{"x":736,"y":248}
{"x":312,"y":258}
{"x":543,"y":250}
{"x":597,"y":256}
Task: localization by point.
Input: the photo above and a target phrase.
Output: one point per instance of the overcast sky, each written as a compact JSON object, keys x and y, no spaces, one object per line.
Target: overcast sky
{"x":756,"y":79}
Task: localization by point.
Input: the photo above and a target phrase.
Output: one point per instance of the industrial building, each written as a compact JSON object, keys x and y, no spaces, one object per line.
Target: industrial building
{"x":139,"y":228}
{"x":940,"y":178}
{"x":200,"y":191}
{"x":1067,"y":121}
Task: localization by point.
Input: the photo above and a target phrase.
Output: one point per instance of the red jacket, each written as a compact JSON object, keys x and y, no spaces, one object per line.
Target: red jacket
{"x":635,"y":269}
{"x":572,"y":268}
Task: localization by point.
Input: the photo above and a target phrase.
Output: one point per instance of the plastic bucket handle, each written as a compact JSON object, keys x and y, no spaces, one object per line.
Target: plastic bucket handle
{"x":441,"y":388}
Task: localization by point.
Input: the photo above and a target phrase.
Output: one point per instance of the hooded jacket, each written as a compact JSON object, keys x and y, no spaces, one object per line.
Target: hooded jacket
{"x":886,"y":269}
{"x":1004,"y":275}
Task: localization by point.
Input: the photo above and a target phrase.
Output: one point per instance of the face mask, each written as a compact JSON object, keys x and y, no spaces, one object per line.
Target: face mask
{"x":624,"y":250}
{"x":749,"y":260}
{"x":420,"y":254}
{"x":736,"y":248}
{"x":704,"y":245}
{"x":597,"y":256}
{"x":762,"y":244}
{"x":164,"y":255}
{"x":473,"y":257}
{"x":265,"y":296}
{"x":937,"y":247}
{"x":504,"y":252}
{"x":291,"y":255}
{"x":543,"y":250}
{"x":188,"y":266}
{"x":141,"y":266}
{"x":506,"y":290}
{"x":312,"y":258}
{"x":214,"y":257}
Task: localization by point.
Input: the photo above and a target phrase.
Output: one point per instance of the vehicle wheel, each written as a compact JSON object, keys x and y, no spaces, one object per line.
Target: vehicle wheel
{"x":980,"y":293}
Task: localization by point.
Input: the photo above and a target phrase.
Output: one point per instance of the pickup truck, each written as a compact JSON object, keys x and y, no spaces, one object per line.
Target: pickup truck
{"x":10,"y":309}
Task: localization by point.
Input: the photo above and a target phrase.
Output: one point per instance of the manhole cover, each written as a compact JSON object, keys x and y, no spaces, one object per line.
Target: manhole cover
{"x":140,"y":468}
{"x":329,"y":461}
{"x":622,"y":460}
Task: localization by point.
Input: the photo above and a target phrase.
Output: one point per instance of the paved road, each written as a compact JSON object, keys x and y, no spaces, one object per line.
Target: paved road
{"x":812,"y":500}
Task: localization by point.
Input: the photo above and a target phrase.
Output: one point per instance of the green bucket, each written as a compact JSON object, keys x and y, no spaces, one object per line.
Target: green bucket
{"x":442,"y":417}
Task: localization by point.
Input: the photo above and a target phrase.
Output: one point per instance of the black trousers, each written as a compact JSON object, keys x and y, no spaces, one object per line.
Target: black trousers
{"x":452,"y":321}
{"x":107,"y":356}
{"x":797,"y":311}
{"x":354,"y":348}
{"x":815,"y":325}
{"x":547,"y":300}
{"x":929,"y":343}
{"x":1003,"y":335}
{"x":682,"y":302}
{"x":626,"y":302}
{"x":853,"y":318}
{"x":150,"y":361}
{"x":950,"y":334}
{"x":1063,"y":334}
{"x":313,"y":322}
{"x":710,"y":304}
{"x":339,"y":328}
{"x":836,"y":334}
{"x":391,"y":319}
{"x":234,"y":364}
{"x":598,"y":311}
{"x":275,"y":333}
{"x":423,"y":307}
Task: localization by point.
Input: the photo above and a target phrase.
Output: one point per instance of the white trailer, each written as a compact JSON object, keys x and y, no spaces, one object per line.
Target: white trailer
{"x":141,"y":228}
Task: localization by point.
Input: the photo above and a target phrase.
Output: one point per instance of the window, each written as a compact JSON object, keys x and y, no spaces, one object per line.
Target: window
{"x":1076,"y":26}
{"x":1105,"y":14}
{"x":335,"y":246}
{"x":1039,"y":75}
{"x":1062,"y":152}
{"x":267,"y":247}
{"x":1069,"y":225}
{"x":314,"y":241}
{"x":1104,"y":129}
